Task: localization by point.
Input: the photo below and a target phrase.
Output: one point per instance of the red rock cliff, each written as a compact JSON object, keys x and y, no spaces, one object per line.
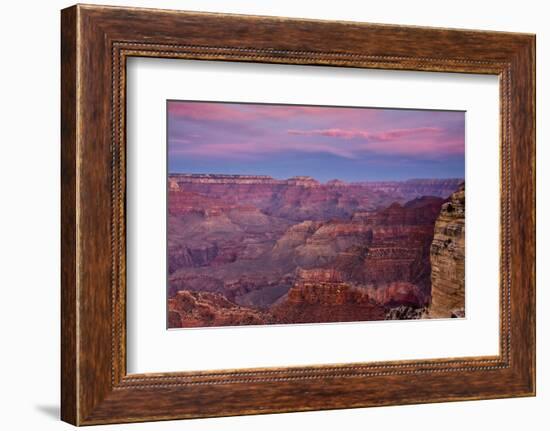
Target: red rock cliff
{"x":447,"y":259}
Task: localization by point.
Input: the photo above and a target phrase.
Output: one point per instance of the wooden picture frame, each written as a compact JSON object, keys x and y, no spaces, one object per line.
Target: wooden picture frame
{"x":96,"y":41}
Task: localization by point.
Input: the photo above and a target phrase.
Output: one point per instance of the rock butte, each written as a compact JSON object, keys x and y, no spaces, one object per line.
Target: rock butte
{"x":249,"y":250}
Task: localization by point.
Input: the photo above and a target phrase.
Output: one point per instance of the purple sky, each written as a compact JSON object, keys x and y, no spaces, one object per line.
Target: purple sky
{"x":351,"y":144}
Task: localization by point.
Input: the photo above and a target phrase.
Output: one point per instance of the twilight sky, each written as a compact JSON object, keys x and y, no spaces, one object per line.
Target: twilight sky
{"x":351,"y":144}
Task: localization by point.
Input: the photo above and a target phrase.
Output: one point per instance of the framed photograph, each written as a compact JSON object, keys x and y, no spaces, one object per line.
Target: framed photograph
{"x":263,"y":214}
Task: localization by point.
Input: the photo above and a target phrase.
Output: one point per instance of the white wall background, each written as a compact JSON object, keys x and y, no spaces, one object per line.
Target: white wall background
{"x":29,"y":215}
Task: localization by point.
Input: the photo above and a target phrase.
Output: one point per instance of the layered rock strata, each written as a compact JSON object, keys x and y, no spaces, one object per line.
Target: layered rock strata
{"x":320,"y":295}
{"x":250,"y":250}
{"x":198,"y":309}
{"x":302,"y":198}
{"x":447,"y":259}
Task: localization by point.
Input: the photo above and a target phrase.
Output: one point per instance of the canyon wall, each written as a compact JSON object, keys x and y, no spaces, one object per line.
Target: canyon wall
{"x":304,"y":198}
{"x":257,"y":250}
{"x":447,"y":259}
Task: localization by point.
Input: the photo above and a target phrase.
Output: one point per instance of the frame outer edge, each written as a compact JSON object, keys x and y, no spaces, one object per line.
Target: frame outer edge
{"x":533,"y":54}
{"x":523,"y":217}
{"x":69,"y":196}
{"x":532,"y":101}
{"x":529,"y":62}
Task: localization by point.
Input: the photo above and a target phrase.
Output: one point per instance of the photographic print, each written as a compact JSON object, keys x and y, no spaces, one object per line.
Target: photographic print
{"x":288,"y":214}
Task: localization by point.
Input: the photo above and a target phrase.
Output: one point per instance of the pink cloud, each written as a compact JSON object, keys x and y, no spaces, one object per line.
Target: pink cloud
{"x":396,"y":134}
{"x":334,"y":133}
{"x":421,"y":141}
{"x":317,"y":111}
{"x":343,"y":132}
{"x":388,"y":135}
{"x":246,"y":112}
{"x":206,"y":111}
{"x":426,"y":141}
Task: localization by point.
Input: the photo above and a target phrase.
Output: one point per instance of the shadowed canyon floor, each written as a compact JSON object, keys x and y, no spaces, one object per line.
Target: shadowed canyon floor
{"x":252,"y":250}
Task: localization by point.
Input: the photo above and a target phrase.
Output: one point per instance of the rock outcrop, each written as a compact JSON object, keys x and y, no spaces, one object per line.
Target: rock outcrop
{"x":320,"y":295}
{"x":447,"y":259}
{"x":198,"y":309}
{"x":398,"y":293}
{"x":395,"y":251}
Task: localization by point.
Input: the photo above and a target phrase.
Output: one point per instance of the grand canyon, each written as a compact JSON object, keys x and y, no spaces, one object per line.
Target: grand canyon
{"x":306,"y":214}
{"x":256,"y":250}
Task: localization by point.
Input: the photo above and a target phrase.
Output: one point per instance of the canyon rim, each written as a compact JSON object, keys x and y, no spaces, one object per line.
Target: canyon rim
{"x":287,"y":214}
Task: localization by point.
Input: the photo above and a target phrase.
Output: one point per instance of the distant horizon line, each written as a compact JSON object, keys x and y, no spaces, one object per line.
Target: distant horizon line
{"x":309,"y":177}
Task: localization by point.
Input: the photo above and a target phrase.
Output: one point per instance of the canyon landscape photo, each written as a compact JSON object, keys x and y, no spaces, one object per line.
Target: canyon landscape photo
{"x":288,"y":214}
